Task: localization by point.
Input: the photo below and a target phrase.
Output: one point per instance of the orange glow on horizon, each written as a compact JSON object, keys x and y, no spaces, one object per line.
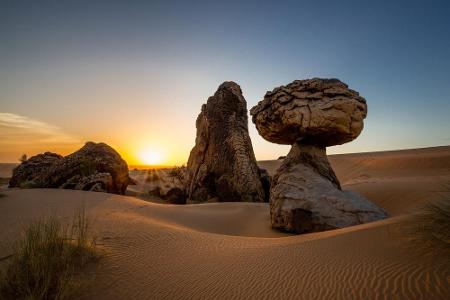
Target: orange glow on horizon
{"x":151,"y":156}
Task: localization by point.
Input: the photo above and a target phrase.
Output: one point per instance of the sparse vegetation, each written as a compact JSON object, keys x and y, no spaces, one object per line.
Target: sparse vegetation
{"x":48,"y":258}
{"x":429,"y":231}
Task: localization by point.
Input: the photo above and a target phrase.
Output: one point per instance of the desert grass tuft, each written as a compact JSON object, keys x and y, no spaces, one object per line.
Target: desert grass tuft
{"x":429,"y":230}
{"x":48,"y":258}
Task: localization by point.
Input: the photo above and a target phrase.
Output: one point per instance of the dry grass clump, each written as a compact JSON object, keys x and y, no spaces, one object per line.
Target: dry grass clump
{"x":48,"y":258}
{"x":429,"y":231}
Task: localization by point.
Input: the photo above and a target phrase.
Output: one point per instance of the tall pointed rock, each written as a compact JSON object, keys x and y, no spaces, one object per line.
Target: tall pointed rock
{"x":222,"y":164}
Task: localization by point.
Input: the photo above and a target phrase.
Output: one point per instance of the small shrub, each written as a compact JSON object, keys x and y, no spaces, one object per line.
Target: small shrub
{"x":429,"y":231}
{"x":47,"y":259}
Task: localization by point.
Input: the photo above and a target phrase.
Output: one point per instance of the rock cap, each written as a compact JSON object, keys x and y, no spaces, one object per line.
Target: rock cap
{"x":322,"y":112}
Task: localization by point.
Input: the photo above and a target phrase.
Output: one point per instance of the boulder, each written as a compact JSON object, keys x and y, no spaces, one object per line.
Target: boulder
{"x":30,"y":170}
{"x":222,"y":163}
{"x":96,"y":166}
{"x":310,"y":115}
{"x":176,"y":196}
{"x":322,"y":112}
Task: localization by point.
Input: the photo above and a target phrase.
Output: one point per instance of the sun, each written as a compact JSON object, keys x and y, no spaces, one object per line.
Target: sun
{"x":151,"y":157}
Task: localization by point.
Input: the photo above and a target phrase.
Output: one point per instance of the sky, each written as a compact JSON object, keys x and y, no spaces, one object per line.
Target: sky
{"x":134,"y":74}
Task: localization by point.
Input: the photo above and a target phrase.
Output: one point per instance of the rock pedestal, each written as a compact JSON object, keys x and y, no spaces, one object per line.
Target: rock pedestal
{"x":310,"y":115}
{"x":306,"y":195}
{"x":222,"y":164}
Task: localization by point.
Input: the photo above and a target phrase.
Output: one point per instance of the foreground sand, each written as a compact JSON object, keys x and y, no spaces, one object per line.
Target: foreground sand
{"x":229,"y":251}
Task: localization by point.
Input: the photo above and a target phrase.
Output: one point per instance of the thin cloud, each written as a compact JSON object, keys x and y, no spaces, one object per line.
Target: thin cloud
{"x":17,"y":130}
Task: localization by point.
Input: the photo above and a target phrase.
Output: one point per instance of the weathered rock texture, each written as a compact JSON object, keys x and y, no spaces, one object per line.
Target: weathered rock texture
{"x":95,"y":167}
{"x":305,"y":194}
{"x":322,"y":112}
{"x":222,"y":164}
{"x":167,"y":184}
{"x":31,"y":169}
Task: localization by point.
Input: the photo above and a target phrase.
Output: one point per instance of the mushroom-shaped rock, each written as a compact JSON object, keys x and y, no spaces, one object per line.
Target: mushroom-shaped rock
{"x":322,"y":112}
{"x":95,"y":167}
{"x":222,"y":164}
{"x":305,"y":194}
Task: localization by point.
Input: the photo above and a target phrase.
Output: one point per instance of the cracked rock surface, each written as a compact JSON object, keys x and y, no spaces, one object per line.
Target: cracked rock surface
{"x":310,"y":115}
{"x":322,"y":112}
{"x":222,"y":164}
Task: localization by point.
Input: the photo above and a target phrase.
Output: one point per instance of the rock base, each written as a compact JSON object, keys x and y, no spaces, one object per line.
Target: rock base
{"x":306,"y":196}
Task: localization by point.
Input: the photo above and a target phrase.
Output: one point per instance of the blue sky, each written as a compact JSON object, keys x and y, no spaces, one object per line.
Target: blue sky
{"x":135,"y":73}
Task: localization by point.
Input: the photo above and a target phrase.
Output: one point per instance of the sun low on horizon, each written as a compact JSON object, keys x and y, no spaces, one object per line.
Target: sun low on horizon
{"x":127,"y":78}
{"x":151,"y":156}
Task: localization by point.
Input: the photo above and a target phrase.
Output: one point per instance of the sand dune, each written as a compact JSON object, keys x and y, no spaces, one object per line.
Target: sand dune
{"x":399,"y":181}
{"x":229,"y":251}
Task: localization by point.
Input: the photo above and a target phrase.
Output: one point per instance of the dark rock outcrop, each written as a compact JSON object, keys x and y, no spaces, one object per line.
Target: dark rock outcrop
{"x":222,"y":164}
{"x":95,"y":167}
{"x":98,"y":182}
{"x":30,"y":171}
{"x":176,"y":196}
{"x":305,"y":194}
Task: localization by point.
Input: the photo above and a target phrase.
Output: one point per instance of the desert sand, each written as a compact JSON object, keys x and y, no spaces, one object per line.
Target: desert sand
{"x":229,"y":251}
